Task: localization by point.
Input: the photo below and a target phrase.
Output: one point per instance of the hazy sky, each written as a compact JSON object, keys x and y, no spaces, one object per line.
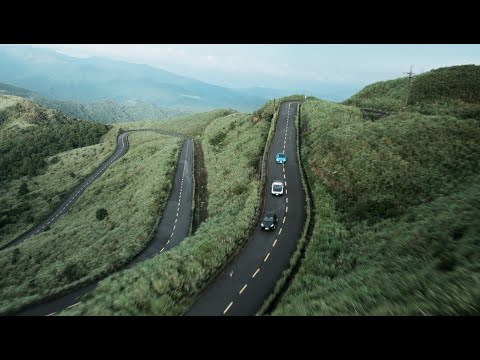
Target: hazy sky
{"x":306,"y":67}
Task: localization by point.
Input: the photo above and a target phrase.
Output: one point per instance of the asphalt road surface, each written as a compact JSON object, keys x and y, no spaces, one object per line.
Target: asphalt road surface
{"x":249,"y":279}
{"x":173,"y":228}
{"x":122,"y":147}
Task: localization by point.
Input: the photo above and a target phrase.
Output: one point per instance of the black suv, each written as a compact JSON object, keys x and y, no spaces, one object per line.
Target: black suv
{"x":269,"y":221}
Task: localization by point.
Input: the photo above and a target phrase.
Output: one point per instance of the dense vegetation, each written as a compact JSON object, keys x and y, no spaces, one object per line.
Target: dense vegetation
{"x":21,"y":210}
{"x":171,"y":281}
{"x":453,"y":91}
{"x":111,"y":112}
{"x":132,"y":192}
{"x":396,"y":221}
{"x":30,"y":133}
{"x":190,"y":125}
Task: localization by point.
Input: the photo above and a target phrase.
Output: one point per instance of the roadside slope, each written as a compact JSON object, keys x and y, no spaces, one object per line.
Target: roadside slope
{"x":396,"y":215}
{"x":169,"y":283}
{"x":250,"y":277}
{"x":173,"y":228}
{"x":133,"y":193}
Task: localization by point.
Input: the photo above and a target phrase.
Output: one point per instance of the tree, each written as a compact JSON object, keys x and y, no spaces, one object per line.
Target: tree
{"x":101,"y":214}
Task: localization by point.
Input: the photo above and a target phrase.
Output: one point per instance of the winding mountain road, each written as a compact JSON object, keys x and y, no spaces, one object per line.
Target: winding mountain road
{"x":173,"y":228}
{"x":66,"y":204}
{"x":249,"y":279}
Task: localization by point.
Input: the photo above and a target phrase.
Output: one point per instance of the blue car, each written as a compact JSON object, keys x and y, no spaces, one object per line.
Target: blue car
{"x":281,"y":158}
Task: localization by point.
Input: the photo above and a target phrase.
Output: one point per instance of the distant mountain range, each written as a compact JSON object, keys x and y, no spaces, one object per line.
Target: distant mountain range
{"x":62,"y":77}
{"x":103,"y":111}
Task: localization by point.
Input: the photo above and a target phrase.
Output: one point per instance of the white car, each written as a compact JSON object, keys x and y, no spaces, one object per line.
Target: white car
{"x":277,"y":188}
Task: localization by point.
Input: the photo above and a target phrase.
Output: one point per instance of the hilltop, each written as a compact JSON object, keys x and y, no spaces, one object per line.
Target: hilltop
{"x":453,"y":90}
{"x":396,"y":201}
{"x":29,"y":133}
{"x":103,"y":111}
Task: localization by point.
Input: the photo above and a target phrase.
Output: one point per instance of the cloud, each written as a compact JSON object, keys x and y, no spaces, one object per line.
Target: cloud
{"x":273,"y":65}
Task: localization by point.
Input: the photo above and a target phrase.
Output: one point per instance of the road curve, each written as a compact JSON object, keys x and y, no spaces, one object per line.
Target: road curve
{"x":173,"y":228}
{"x":66,"y":204}
{"x":247,"y":281}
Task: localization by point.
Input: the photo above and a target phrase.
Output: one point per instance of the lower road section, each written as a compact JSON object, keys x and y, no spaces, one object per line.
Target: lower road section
{"x":173,"y":228}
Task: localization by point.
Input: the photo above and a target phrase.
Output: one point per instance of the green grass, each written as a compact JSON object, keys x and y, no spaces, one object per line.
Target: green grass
{"x":79,"y":247}
{"x":30,"y":133}
{"x":64,"y":171}
{"x":396,"y":221}
{"x":190,"y":125}
{"x":168,"y":283}
{"x":451,"y":90}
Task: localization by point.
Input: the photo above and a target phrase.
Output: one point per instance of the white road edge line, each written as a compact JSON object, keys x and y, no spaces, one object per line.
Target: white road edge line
{"x":68,"y":307}
{"x":255,"y":273}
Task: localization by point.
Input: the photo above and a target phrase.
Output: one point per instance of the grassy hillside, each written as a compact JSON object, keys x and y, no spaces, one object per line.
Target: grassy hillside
{"x":133,"y":192}
{"x":396,"y":221}
{"x":103,"y":111}
{"x":63,"y":172}
{"x":35,"y":170}
{"x":190,"y":125}
{"x":30,"y":133}
{"x":170,"y":282}
{"x":451,"y":90}
{"x":111,"y":112}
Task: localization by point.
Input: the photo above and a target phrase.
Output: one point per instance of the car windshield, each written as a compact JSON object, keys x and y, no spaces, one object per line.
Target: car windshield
{"x":277,"y":187}
{"x":268,"y":218}
{"x":281,"y":156}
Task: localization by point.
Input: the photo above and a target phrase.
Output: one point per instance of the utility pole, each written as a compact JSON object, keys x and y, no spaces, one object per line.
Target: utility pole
{"x":410,"y":75}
